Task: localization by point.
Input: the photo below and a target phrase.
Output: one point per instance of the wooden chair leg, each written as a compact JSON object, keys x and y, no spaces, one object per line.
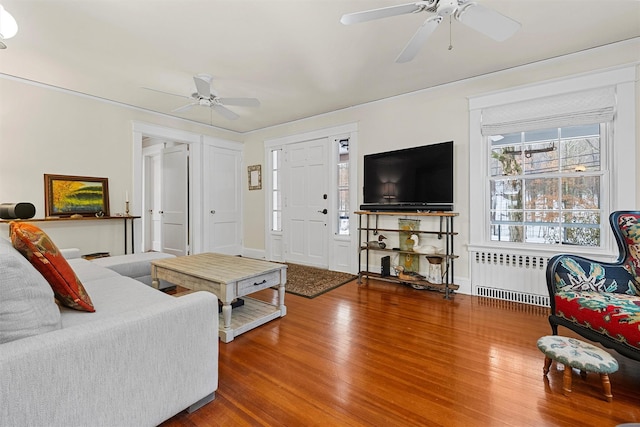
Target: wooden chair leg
{"x":566,"y":381}
{"x":547,"y":364}
{"x":606,"y":385}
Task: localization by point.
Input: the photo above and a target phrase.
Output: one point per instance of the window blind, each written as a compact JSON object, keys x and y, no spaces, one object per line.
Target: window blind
{"x":577,"y":108}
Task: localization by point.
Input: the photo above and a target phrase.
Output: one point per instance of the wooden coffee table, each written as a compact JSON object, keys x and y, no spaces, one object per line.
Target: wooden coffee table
{"x":228,"y":277}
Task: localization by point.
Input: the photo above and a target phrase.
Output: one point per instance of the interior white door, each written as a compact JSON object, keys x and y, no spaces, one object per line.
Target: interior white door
{"x":306,"y":203}
{"x":175,"y":200}
{"x":152,"y":202}
{"x":223,"y":192}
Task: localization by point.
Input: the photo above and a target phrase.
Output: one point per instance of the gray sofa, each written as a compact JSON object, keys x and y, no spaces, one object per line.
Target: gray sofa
{"x":140,"y":358}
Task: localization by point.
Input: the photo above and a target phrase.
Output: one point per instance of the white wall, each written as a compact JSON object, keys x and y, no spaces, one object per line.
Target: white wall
{"x":43,"y":130}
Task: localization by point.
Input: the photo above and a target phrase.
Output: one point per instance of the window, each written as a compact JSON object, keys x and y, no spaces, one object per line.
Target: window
{"x":546,"y":185}
{"x":276,"y":192}
{"x":343,"y":186}
{"x":559,"y":158}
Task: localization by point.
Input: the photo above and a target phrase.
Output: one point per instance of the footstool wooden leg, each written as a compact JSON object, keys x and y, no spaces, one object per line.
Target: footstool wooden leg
{"x":547,"y":364}
{"x":566,"y":380}
{"x":606,"y":385}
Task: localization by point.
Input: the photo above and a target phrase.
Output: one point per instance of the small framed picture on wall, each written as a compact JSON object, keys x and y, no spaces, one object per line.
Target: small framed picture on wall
{"x":255,"y":177}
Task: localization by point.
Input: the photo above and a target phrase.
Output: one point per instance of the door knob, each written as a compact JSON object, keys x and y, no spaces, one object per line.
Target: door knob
{"x":160,"y":212}
{"x":213,"y":211}
{"x":323,"y":211}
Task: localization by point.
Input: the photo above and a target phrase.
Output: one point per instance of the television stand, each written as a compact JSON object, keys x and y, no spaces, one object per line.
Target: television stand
{"x":445,"y":231}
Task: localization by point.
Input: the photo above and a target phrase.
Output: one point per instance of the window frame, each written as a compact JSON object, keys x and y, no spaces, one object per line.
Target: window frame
{"x":620,"y":157}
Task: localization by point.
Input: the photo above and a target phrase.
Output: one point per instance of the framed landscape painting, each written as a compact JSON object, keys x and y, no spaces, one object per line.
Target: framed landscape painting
{"x":66,"y":195}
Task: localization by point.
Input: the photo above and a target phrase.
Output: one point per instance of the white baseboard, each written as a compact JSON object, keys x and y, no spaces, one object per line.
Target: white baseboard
{"x":254,"y":253}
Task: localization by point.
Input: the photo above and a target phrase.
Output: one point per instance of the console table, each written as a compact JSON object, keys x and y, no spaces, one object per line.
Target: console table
{"x":124,"y":219}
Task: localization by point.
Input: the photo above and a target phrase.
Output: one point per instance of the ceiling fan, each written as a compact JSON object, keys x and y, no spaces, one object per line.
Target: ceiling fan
{"x":205,"y":96}
{"x":480,"y":18}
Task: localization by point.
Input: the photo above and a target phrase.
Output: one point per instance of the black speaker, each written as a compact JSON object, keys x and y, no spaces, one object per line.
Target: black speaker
{"x":17,"y":210}
{"x":385,"y":270}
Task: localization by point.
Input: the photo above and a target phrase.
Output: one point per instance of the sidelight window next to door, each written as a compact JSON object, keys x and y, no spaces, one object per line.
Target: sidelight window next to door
{"x":343,"y":187}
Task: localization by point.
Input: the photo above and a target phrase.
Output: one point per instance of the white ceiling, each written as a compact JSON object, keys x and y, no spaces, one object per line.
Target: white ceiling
{"x":293,"y":55}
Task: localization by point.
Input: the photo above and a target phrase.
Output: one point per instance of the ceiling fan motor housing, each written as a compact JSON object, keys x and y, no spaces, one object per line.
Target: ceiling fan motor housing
{"x":447,"y":7}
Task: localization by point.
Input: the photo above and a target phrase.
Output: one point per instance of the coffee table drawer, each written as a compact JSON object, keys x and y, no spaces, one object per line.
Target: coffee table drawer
{"x":257,"y":283}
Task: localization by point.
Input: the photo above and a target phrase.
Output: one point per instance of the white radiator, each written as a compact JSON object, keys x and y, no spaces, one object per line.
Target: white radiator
{"x":511,"y":277}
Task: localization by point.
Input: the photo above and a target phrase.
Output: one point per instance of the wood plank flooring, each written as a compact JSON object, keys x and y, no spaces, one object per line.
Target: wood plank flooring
{"x":381,"y":354}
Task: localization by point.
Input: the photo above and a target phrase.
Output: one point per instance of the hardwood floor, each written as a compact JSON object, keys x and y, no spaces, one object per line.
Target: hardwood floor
{"x":381,"y":354}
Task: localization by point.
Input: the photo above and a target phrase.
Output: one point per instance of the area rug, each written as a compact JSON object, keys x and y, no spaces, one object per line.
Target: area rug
{"x":309,"y":282}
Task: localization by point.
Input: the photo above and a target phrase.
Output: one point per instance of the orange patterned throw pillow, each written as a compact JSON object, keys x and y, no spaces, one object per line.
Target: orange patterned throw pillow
{"x":43,"y":254}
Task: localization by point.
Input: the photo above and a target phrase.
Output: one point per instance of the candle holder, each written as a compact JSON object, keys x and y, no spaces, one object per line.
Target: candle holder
{"x":126,"y":208}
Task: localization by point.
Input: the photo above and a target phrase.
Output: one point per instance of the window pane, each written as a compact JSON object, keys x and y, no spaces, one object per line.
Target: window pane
{"x":276,"y":224}
{"x":507,"y":233}
{"x":506,"y":194}
{"x":541,"y":135}
{"x":582,"y":192}
{"x":580,"y":154}
{"x":541,"y":193}
{"x":276,"y":201}
{"x":506,"y":160}
{"x":275,"y":180}
{"x":542,"y":227}
{"x":540,"y":158}
{"x":582,"y":228}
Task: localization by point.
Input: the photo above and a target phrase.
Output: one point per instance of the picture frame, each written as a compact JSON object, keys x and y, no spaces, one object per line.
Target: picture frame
{"x":67,"y":195}
{"x":255,"y":177}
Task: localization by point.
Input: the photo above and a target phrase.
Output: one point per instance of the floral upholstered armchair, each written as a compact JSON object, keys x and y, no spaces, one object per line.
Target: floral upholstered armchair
{"x":601,"y":301}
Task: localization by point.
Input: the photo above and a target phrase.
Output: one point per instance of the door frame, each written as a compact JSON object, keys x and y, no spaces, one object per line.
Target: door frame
{"x":141,"y":130}
{"x":338,"y":246}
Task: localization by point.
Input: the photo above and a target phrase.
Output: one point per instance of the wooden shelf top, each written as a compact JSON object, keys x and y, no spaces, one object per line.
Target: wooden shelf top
{"x":407,"y":213}
{"x":58,"y":219}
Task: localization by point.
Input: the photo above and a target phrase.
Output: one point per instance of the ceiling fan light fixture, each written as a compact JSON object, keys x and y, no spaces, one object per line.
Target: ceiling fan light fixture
{"x":8,"y":24}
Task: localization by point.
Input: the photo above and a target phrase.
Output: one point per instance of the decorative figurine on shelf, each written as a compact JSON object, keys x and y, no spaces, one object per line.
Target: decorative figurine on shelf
{"x":126,"y":203}
{"x":408,"y":276}
{"x":422,"y":249}
{"x":377,"y":244}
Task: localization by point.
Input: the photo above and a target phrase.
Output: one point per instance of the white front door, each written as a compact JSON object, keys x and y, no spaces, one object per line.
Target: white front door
{"x":306,"y":206}
{"x":223,"y":192}
{"x":175,"y":200}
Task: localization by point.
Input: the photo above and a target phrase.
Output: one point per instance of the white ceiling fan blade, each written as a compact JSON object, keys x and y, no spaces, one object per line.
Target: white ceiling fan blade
{"x":487,"y":21}
{"x":384,"y":12}
{"x":225,"y":112}
{"x":240,"y":102}
{"x":418,"y":39}
{"x":203,"y":87}
{"x":184,"y":108}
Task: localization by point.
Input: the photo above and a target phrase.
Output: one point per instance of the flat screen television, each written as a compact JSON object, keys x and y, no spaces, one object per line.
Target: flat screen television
{"x":411,"y":179}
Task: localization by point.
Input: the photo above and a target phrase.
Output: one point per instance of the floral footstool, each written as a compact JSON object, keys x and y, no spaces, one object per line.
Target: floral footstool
{"x":573,"y":353}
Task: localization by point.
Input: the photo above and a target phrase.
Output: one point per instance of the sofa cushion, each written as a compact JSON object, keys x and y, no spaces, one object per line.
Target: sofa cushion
{"x":113,"y":296}
{"x":27,"y":305}
{"x":615,"y":315}
{"x":40,"y":250}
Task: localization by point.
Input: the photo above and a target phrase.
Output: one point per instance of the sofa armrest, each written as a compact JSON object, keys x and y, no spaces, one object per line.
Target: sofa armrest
{"x":70,"y":253}
{"x":138,"y":368}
